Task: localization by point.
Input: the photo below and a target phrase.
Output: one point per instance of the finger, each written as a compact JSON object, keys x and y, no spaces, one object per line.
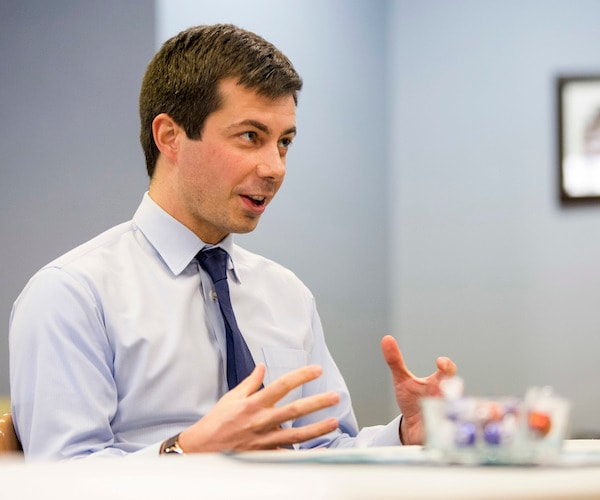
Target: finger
{"x":252,"y":382}
{"x":446,"y":367}
{"x":393,"y":357}
{"x":286,"y":383}
{"x":293,"y":435}
{"x":302,"y":407}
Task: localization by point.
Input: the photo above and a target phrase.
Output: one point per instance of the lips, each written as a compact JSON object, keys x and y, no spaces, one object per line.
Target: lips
{"x":255,"y":204}
{"x":256,"y":200}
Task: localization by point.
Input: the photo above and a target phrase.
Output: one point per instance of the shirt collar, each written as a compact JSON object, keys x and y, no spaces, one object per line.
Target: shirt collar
{"x":176,"y":244}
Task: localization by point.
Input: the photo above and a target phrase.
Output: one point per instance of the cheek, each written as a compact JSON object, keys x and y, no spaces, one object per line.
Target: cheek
{"x":232,"y":168}
{"x":279,"y":183}
{"x":201,"y":166}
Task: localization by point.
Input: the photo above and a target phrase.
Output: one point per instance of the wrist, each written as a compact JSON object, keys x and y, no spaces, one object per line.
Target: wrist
{"x":411,"y":431}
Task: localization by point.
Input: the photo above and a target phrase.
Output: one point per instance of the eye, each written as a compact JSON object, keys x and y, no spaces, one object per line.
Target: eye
{"x":285,"y":143}
{"x":249,"y":136}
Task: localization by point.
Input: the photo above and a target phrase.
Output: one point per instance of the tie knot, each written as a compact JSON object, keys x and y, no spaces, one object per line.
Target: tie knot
{"x":214,"y":262}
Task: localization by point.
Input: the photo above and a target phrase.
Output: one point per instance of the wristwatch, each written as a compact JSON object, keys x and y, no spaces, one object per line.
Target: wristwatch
{"x":171,"y":447}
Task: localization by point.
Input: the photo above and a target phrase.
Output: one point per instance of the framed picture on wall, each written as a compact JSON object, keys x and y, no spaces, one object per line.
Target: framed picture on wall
{"x":579,"y":138}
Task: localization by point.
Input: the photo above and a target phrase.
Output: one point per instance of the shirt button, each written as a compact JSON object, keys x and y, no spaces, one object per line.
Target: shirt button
{"x":213,"y":295}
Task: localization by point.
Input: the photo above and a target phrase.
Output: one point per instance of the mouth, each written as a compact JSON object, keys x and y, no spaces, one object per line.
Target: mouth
{"x":257,"y":201}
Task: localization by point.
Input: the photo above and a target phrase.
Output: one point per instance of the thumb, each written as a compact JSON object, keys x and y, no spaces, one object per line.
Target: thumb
{"x":446,"y":367}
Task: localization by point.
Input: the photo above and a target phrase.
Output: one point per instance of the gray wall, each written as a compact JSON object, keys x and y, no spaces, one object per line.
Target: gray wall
{"x":487,"y":267}
{"x":70,"y":164}
{"x":427,"y":144}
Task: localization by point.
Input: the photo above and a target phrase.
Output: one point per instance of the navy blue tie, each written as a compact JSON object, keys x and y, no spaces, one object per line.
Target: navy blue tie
{"x":239,"y":359}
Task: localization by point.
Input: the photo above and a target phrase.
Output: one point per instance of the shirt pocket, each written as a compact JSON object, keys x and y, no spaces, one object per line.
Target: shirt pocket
{"x":281,"y":360}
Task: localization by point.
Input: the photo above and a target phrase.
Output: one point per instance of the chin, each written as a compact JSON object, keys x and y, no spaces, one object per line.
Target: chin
{"x":245,"y":228}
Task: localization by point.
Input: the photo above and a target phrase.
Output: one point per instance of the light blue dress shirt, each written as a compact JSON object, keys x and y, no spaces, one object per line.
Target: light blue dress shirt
{"x":120,"y":344}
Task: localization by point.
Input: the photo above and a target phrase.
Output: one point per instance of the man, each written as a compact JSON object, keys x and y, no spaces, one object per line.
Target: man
{"x":123,"y":345}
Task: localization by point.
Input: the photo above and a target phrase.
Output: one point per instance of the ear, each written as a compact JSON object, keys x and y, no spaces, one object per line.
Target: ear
{"x":166,"y":134}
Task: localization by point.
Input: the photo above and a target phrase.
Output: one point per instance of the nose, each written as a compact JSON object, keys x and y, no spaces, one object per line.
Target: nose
{"x":271,"y":165}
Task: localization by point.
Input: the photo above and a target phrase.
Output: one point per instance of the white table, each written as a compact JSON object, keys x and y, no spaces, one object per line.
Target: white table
{"x":216,"y":476}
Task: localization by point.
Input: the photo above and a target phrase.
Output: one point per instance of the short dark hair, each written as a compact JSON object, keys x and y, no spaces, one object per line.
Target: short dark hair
{"x":182,"y":78}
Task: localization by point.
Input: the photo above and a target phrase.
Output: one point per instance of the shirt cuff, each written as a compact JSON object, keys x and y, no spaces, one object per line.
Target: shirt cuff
{"x":379,"y":435}
{"x":389,"y":435}
{"x":148,"y":451}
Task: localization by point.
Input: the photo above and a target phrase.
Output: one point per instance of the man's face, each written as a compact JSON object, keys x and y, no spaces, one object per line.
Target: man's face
{"x":225,"y":180}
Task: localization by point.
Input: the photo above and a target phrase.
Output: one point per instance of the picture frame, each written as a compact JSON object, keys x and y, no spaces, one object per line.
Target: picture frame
{"x":579,"y":138}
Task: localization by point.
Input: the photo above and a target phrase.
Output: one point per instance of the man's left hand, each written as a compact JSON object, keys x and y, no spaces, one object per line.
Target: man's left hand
{"x":410,"y":389}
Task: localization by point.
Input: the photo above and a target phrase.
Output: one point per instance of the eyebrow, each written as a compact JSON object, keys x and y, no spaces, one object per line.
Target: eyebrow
{"x":261,"y":126}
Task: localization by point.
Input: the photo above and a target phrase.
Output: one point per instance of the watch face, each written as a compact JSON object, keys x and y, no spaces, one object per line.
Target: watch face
{"x":174,"y":449}
{"x":171,"y":446}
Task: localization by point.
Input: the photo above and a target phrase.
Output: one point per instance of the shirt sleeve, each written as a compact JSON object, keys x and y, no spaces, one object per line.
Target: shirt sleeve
{"x":348,"y":434}
{"x":63,"y":393}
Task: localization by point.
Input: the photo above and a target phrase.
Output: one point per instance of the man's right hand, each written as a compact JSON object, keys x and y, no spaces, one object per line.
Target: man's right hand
{"x":246,"y":418}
